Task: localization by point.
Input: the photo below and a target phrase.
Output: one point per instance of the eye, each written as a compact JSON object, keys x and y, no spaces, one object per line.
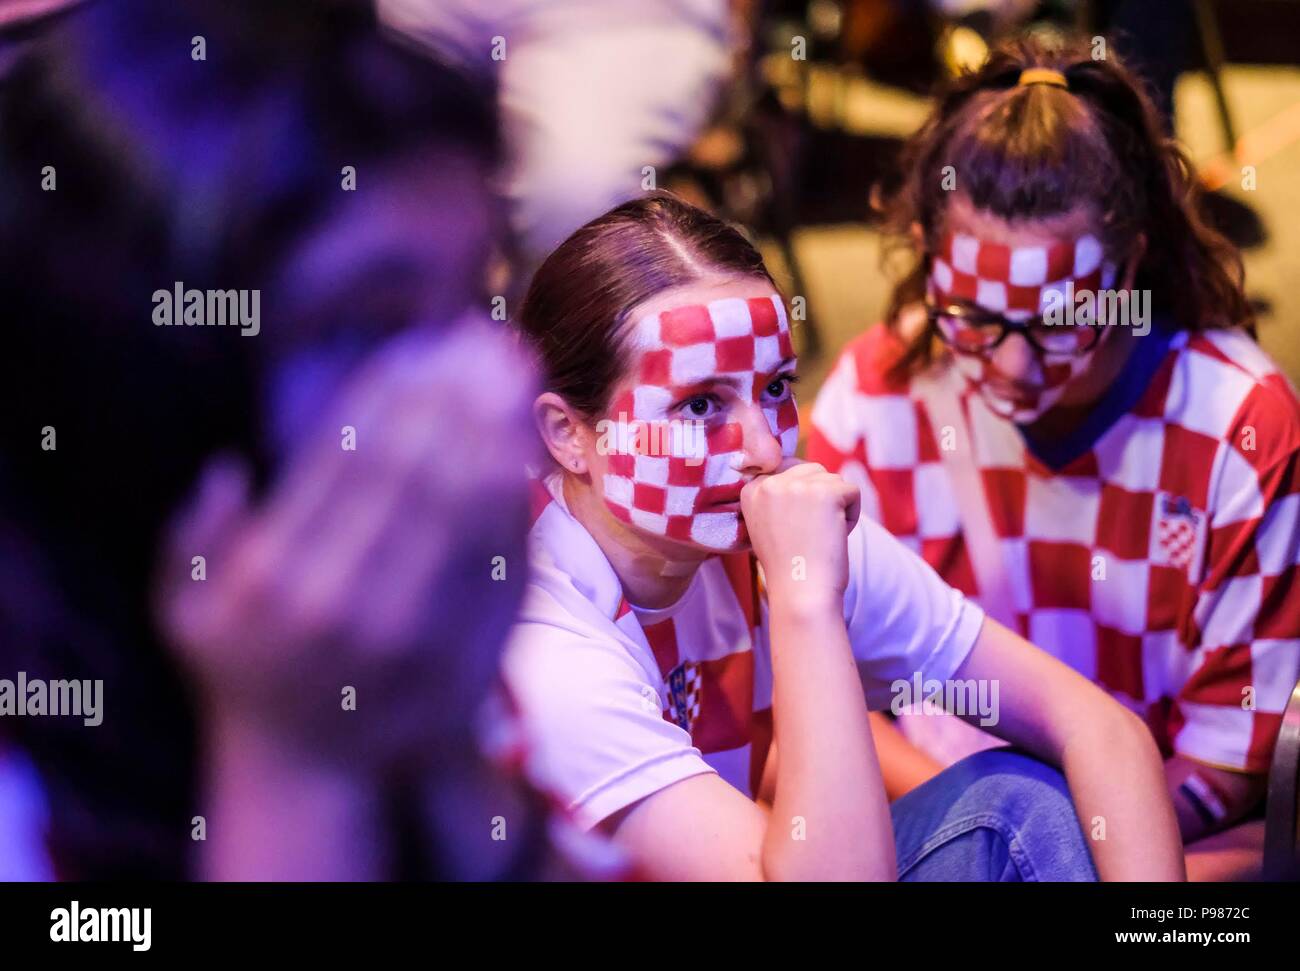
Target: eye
{"x":700,"y":406}
{"x":780,"y":387}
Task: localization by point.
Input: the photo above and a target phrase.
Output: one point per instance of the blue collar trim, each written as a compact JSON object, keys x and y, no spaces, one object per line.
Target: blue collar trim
{"x":1119,"y":399}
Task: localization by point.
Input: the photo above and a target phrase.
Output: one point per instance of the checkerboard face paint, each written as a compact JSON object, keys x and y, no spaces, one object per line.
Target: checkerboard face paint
{"x":669,"y":469}
{"x":1020,"y":283}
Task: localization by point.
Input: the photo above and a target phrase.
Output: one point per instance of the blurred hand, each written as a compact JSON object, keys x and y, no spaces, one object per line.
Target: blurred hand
{"x":370,"y":569}
{"x":802,"y":511}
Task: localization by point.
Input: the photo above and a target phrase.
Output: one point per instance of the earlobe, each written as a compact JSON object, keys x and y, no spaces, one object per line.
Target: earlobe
{"x":561,"y":430}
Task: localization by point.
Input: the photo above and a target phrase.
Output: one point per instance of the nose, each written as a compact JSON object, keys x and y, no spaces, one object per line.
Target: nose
{"x":760,"y":449}
{"x":1015,"y":359}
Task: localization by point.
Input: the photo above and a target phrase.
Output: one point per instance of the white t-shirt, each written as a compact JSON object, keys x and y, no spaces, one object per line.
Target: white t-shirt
{"x":619,"y":703}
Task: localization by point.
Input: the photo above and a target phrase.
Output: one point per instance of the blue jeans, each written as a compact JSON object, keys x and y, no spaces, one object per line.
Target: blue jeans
{"x":997,"y":815}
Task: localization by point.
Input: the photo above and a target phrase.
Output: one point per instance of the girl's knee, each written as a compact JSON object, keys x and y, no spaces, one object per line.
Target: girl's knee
{"x":1016,"y":783}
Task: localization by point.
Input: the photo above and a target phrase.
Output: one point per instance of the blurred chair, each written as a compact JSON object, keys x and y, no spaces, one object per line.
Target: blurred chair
{"x":1211,"y":40}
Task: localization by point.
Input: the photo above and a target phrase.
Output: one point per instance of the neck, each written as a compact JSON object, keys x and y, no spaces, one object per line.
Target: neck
{"x":652,"y":575}
{"x":1069,"y":413}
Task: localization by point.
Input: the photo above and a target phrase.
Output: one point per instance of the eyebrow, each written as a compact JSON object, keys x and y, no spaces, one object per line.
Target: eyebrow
{"x":786,"y":362}
{"x":685,"y":390}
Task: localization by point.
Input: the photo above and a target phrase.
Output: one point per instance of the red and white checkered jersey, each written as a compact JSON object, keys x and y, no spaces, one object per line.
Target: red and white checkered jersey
{"x":619,"y":703}
{"x":1161,"y":562}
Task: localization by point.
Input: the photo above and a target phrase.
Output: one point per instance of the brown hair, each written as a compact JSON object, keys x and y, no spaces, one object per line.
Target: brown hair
{"x":1037,"y":150}
{"x":577,"y":305}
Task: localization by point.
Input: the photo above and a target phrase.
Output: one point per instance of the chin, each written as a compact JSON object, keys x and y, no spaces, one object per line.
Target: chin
{"x":740,"y":546}
{"x":719,"y":533}
{"x":711,"y":534}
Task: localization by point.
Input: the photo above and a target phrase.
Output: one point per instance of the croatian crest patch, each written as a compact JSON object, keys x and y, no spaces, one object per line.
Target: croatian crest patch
{"x":684,"y":694}
{"x":1177,"y":534}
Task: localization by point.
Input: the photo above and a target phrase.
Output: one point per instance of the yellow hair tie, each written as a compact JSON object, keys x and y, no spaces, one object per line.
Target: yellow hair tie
{"x":1043,"y":75}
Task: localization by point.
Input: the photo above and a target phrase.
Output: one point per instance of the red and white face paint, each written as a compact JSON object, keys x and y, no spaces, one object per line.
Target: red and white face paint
{"x":1020,"y":283}
{"x":667,"y":472}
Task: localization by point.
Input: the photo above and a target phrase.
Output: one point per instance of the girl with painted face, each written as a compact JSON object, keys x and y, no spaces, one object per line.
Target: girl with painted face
{"x":704,"y":612}
{"x":1066,"y":415}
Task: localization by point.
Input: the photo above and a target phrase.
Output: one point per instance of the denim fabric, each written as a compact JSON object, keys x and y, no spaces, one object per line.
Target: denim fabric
{"x":996,"y":815}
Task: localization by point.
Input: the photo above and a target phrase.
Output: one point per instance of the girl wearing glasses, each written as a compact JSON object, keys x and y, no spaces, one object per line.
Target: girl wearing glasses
{"x":705,"y":614}
{"x":1067,"y":416}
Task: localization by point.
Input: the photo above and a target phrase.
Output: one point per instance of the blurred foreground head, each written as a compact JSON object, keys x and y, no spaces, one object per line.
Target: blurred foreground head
{"x":281,"y":147}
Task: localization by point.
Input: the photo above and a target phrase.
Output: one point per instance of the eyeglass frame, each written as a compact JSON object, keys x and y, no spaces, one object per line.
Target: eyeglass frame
{"x":933,"y":311}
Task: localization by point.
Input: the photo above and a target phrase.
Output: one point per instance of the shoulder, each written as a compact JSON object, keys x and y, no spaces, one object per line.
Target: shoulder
{"x":567,"y":570}
{"x":1223,"y":386}
{"x":870,"y":415}
{"x":871,"y":357}
{"x":569,"y":633}
{"x":592,"y":717}
{"x":862,"y":398}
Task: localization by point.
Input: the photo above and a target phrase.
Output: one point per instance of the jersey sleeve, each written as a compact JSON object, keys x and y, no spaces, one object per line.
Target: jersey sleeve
{"x":593,"y":721}
{"x":866,"y":427}
{"x":1246,"y":659}
{"x":836,"y":432}
{"x":902,"y":618}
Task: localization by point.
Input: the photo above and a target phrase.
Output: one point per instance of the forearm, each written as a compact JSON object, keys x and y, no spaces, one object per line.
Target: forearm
{"x":1208,"y":799}
{"x":1233,"y":854}
{"x":1108,"y":756}
{"x":1131,"y":827}
{"x":830,"y":818}
{"x":270,"y":816}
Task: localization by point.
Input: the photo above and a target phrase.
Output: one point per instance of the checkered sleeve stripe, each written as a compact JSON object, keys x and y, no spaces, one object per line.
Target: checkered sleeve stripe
{"x":1248,"y":618}
{"x":835,"y":429}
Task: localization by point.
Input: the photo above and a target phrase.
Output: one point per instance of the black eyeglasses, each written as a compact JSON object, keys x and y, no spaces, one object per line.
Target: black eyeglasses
{"x":970,"y":331}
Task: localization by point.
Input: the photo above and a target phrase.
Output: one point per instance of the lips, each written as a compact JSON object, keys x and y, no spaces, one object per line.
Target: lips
{"x":713,"y":496}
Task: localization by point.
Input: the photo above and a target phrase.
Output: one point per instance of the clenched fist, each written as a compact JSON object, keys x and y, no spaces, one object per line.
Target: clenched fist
{"x":798,"y":521}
